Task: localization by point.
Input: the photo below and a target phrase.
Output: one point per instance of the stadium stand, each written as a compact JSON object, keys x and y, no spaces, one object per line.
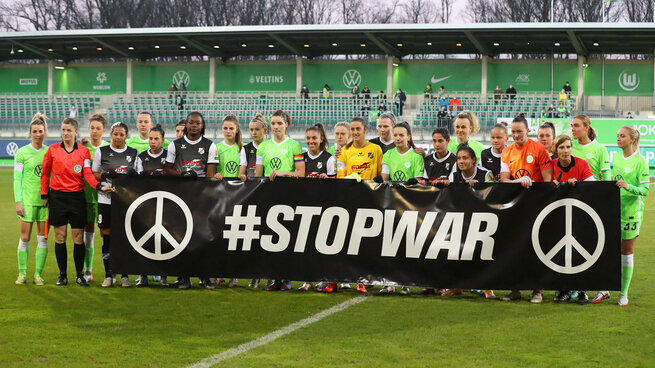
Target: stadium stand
{"x":18,"y":109}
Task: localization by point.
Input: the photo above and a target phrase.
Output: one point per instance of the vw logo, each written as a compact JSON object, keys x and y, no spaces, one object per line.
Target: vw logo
{"x":37,"y":170}
{"x":180,"y":77}
{"x":628,"y":82}
{"x":569,"y":243}
{"x":232,"y":167}
{"x":521,"y":173}
{"x":158,"y":231}
{"x":12,"y":147}
{"x":618,"y":177}
{"x":399,"y":176}
{"x":276,"y":163}
{"x":351,"y":77}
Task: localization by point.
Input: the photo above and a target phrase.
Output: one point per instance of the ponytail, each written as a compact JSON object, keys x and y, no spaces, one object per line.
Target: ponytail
{"x":158,"y":128}
{"x":591,"y":133}
{"x":38,"y":119}
{"x":404,"y":124}
{"x":320,"y":129}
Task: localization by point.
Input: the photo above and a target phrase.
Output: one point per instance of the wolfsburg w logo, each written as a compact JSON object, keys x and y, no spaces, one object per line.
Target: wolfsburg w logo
{"x":628,"y":82}
{"x":351,"y":77}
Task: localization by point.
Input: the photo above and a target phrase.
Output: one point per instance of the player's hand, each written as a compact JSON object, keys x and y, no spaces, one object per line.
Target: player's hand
{"x":421,"y":181}
{"x":420,"y":151}
{"x":572,"y":181}
{"x":337,"y":152}
{"x":622,"y":184}
{"x":189,"y":174}
{"x":445,"y":182}
{"x":44,"y":202}
{"x":218,"y":176}
{"x":107,"y":189}
{"x":323,"y":176}
{"x":84,"y":140}
{"x":243,"y":177}
{"x":108,"y":174}
{"x":274,"y":174}
{"x":156,"y":173}
{"x":556,"y":182}
{"x":132,"y":172}
{"x":20,"y":211}
{"x":525,"y":181}
{"x":472,"y":182}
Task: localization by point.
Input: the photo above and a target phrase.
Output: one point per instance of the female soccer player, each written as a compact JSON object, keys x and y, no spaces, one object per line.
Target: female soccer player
{"x":318,"y":164}
{"x":490,"y":157}
{"x":385,"y":139}
{"x":546,"y":134}
{"x":277,"y":157}
{"x":65,"y":167}
{"x":402,"y":163}
{"x":144,"y":123}
{"x":179,"y":128}
{"x":587,"y":148}
{"x":359,"y":158}
{"x":441,"y":163}
{"x":466,"y":123}
{"x":27,"y":187}
{"x":569,"y":169}
{"x":525,"y":161}
{"x":97,"y":126}
{"x":248,"y":160}
{"x":631,"y":173}
{"x":229,"y":151}
{"x":197,"y":159}
{"x":109,"y":162}
{"x":341,"y":137}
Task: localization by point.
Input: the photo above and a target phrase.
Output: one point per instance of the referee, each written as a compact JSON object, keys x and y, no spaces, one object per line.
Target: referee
{"x":65,"y":167}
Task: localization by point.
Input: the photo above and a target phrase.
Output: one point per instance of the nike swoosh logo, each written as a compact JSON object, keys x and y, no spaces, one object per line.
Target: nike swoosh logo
{"x":433,"y":80}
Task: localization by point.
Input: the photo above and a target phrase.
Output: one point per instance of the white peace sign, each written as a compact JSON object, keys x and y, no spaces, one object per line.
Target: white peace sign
{"x":158,"y":230}
{"x":568,"y":242}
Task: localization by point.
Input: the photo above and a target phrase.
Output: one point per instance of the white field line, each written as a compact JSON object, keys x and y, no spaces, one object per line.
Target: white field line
{"x":215,"y":359}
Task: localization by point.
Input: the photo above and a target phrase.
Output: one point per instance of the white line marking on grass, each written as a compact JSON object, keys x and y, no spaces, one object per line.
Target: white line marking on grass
{"x":215,"y":359}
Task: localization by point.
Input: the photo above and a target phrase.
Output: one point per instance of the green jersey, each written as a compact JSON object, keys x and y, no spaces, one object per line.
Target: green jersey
{"x":597,"y":157}
{"x":477,"y":147}
{"x":142,"y":144}
{"x":332,"y":149}
{"x":229,"y":158}
{"x":634,"y":170}
{"x":279,"y":156}
{"x":27,"y":175}
{"x":402,"y":167}
{"x":91,"y":194}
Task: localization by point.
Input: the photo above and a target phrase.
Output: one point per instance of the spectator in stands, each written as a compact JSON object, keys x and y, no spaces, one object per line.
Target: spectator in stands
{"x":562,"y":97}
{"x":382,"y":96}
{"x":73,"y":112}
{"x":304,"y":92}
{"x":498,"y":93}
{"x":367,"y":93}
{"x":443,"y":102}
{"x":382,"y":107}
{"x":567,"y":114}
{"x":567,"y":89}
{"x":444,"y":117}
{"x":551,"y":111}
{"x":629,"y":116}
{"x":441,"y":92}
{"x":326,"y":91}
{"x":511,"y":92}
{"x":561,"y":111}
{"x":427,"y":92}
{"x":172,"y":92}
{"x":400,"y":98}
{"x":544,"y":113}
{"x":180,"y":102}
{"x":355,"y":91}
{"x":454,"y":104}
{"x":365,"y":109}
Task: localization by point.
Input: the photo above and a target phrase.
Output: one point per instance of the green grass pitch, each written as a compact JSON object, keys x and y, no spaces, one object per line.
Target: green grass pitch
{"x":52,"y":326}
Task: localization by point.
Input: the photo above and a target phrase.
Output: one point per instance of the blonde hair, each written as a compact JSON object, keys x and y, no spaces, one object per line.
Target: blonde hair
{"x":472,"y":119}
{"x":38,"y":119}
{"x":634,"y":134}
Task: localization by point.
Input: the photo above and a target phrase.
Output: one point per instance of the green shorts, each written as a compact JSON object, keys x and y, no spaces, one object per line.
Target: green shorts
{"x":91,"y":213}
{"x":35,"y":214}
{"x":630,"y":229}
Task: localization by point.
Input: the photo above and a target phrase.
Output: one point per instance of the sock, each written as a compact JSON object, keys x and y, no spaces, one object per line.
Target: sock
{"x":78,"y":257}
{"x":627,"y":263}
{"x":23,"y":253}
{"x":41,"y":253}
{"x":88,"y":257}
{"x":105,"y":254}
{"x":62,"y":257}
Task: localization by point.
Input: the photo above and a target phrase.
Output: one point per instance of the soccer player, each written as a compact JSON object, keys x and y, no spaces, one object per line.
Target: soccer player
{"x":546,"y":134}
{"x":319,"y":164}
{"x":385,"y":126}
{"x":192,"y":156}
{"x":341,"y":137}
{"x":631,"y":173}
{"x":109,"y":162}
{"x":229,"y":151}
{"x":97,"y":126}
{"x":277,"y":157}
{"x":525,"y":161}
{"x":28,"y":162}
{"x":402,"y":163}
{"x":143,"y":125}
{"x":179,"y":128}
{"x":587,"y":148}
{"x":466,"y":123}
{"x":569,"y":169}
{"x":442,"y":162}
{"x":151,"y":163}
{"x":248,"y":159}
{"x":490,"y":157}
{"x":359,"y":158}
{"x":65,"y":167}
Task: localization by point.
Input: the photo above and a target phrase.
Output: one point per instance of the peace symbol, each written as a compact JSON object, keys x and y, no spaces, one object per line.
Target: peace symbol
{"x":158,"y":230}
{"x":276,"y":163}
{"x":568,"y":242}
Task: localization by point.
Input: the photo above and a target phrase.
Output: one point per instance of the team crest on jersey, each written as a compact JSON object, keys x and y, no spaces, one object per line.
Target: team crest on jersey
{"x":589,"y":155}
{"x":319,"y":165}
{"x":163,"y":160}
{"x":201,"y":151}
{"x":128,"y":158}
{"x":447,"y":165}
{"x":529,"y":159}
{"x":283,"y":151}
{"x":407,"y":165}
{"x":370,"y":155}
{"x":627,"y":169}
{"x":77,"y":168}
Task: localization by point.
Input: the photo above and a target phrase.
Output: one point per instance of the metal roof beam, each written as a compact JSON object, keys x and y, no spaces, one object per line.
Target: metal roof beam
{"x":111,"y":47}
{"x":478,"y":45}
{"x":388,"y":49}
{"x":43,"y":54}
{"x":286,"y":44}
{"x":579,"y":47}
{"x":202,"y":48}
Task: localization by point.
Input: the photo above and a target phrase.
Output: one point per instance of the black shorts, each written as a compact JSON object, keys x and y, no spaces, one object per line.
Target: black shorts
{"x":67,"y":208}
{"x":104,"y":216}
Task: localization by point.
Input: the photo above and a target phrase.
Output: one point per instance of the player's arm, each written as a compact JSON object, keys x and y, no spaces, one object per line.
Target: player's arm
{"x":138,"y":165}
{"x":299,"y":163}
{"x":331,"y":168}
{"x":170,"y":160}
{"x":88,"y":174}
{"x":46,"y":167}
{"x":95,"y":166}
{"x":547,"y":174}
{"x":546,"y":166}
{"x":341,"y":166}
{"x":504,"y":173}
{"x":644,"y":181}
{"x":212,"y":163}
{"x":605,"y":168}
{"x":243,"y":164}
{"x":18,"y":184}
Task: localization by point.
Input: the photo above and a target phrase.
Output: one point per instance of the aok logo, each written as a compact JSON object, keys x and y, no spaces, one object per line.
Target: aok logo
{"x":629,"y":81}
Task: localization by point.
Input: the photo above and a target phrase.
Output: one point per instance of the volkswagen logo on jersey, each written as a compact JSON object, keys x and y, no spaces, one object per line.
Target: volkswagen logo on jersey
{"x":232,"y":167}
{"x":37,"y":170}
{"x":521,"y":173}
{"x":276,"y":163}
{"x":399,"y":176}
{"x":201,"y":151}
{"x":77,"y":168}
{"x":618,"y":177}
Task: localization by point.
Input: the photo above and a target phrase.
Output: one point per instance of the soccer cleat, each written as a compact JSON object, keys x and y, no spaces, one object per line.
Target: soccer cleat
{"x":218,"y":281}
{"x":254,"y":283}
{"x":477,"y":291}
{"x":623,"y":300}
{"x":361,"y":288}
{"x":330,"y":288}
{"x":306,"y":286}
{"x":513,"y":295}
{"x":143,"y":281}
{"x":156,"y":278}
{"x":63,"y":280}
{"x":125,"y":282}
{"x":207,"y":283}
{"x":38,"y":280}
{"x":21,"y":279}
{"x":285,"y":286}
{"x":428,"y":291}
{"x":274,"y":285}
{"x":562,"y":296}
{"x":387,"y":290}
{"x":489,"y":294}
{"x":233,"y":283}
{"x":109,"y":281}
{"x":178,"y":282}
{"x":574,"y":294}
{"x":81,"y":281}
{"x":185,"y":283}
{"x":345,"y":286}
{"x":320,"y":286}
{"x":536,"y":297}
{"x":88,"y":276}
{"x":164,"y":282}
{"x":451,"y":292}
{"x":441,"y":291}
{"x":405,"y":290}
{"x":600,"y":296}
{"x":582,"y":298}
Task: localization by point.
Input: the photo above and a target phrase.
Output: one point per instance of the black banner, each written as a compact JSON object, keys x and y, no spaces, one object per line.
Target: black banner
{"x":495,"y":236}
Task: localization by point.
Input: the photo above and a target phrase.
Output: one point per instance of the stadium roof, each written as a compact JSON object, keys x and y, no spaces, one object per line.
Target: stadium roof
{"x":316,"y":40}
